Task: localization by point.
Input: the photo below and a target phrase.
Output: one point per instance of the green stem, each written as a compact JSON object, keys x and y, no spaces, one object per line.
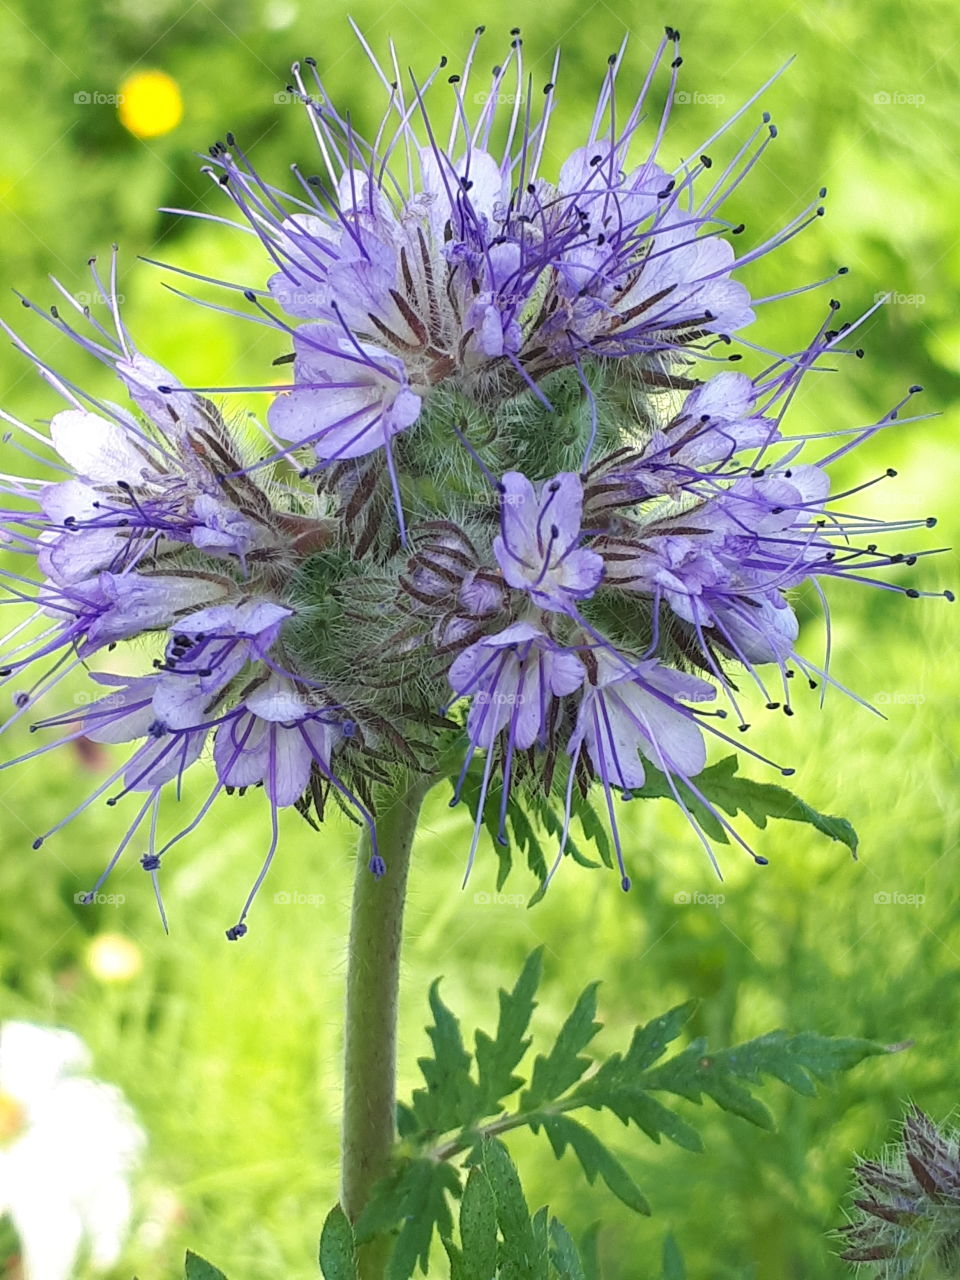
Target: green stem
{"x":373,"y":980}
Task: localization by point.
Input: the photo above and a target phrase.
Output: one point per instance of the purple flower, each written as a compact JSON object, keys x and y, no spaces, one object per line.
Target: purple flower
{"x":456,"y":311}
{"x":430,"y":259}
{"x":538,"y":548}
{"x":512,"y":680}
{"x":351,"y":398}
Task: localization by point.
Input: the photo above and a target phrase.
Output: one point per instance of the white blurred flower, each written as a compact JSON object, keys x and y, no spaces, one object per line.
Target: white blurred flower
{"x":68,"y":1145}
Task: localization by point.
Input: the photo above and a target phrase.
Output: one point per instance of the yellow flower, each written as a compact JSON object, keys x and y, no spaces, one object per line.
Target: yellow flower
{"x":113,"y":958}
{"x":150,"y":104}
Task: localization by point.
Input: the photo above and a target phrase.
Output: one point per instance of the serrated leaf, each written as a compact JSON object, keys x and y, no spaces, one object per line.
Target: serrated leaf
{"x":759,"y":801}
{"x":450,"y":1098}
{"x":563,"y":1253}
{"x":497,"y":1058}
{"x":618,"y":1087}
{"x":197,"y":1268}
{"x":478,"y":1227}
{"x":519,"y":1256}
{"x":674,"y":1267}
{"x":563,"y":1066}
{"x":415,"y":1196}
{"x":595,"y":1158}
{"x":796,"y":1060}
{"x":337,"y":1254}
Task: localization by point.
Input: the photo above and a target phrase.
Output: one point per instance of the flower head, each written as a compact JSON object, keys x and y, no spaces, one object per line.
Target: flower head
{"x":907,"y":1204}
{"x":513,"y":496}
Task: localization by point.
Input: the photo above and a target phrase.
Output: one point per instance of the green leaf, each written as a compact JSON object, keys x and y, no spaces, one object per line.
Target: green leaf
{"x":590,"y":1252}
{"x":540,"y":1226}
{"x":520,"y":1258}
{"x":759,"y":801}
{"x":197,"y":1268}
{"x":554,"y":1073}
{"x":415,"y":1196}
{"x":424,"y":1207}
{"x":497,"y":1058}
{"x":450,"y":1098}
{"x":618,"y":1085}
{"x":594,"y":1157}
{"x":674,"y":1267}
{"x":478,"y":1227}
{"x":563,"y":1253}
{"x":797,"y":1060}
{"x":337,"y":1256}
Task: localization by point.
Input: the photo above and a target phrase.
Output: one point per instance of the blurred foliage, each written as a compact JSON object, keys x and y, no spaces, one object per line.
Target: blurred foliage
{"x":231,"y":1054}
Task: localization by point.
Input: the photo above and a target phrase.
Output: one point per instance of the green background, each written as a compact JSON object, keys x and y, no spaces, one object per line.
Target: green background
{"x":230,"y":1054}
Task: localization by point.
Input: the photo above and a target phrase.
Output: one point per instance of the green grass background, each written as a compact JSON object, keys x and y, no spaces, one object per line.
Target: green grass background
{"x":230,"y":1053}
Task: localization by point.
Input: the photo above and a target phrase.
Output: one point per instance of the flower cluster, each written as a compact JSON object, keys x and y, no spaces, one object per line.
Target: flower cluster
{"x":908,"y":1204}
{"x":498,"y":500}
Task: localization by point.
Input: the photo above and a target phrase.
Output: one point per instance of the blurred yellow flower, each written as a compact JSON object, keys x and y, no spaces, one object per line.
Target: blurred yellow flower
{"x":113,"y":958}
{"x":150,"y":104}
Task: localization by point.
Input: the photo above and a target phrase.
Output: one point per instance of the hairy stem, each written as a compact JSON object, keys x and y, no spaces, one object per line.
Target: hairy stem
{"x":373,"y":979}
